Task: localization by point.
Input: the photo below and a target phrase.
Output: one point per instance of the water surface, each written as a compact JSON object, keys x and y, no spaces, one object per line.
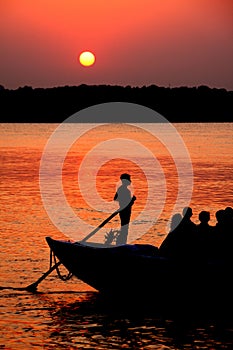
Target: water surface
{"x":70,"y":315}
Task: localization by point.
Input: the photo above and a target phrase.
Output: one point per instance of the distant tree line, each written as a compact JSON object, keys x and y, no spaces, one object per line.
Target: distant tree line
{"x":54,"y":105}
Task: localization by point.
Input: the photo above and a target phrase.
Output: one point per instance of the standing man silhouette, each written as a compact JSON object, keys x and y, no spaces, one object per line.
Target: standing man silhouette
{"x":125,"y":200}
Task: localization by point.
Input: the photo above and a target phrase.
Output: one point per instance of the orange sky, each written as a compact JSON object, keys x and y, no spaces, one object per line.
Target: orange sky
{"x":162,"y":42}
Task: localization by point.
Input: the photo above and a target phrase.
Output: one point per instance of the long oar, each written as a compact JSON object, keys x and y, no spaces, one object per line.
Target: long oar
{"x":99,"y":227}
{"x":32,"y":287}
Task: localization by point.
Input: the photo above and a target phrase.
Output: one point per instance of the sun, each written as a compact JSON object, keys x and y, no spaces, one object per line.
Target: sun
{"x":87,"y":58}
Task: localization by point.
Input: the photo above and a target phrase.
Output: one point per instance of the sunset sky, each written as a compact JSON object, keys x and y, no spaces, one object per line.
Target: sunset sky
{"x":136,"y":42}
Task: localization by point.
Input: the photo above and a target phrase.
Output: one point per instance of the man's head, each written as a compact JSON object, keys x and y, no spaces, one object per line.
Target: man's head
{"x":125,"y":176}
{"x":204,"y":216}
{"x":187,"y":212}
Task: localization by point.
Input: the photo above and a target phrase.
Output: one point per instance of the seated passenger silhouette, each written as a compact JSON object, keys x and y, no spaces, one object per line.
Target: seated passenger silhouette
{"x":186,"y":222}
{"x":224,"y":234}
{"x":170,"y":247}
{"x":181,"y":243}
{"x":175,"y":221}
{"x":228,"y":213}
{"x":204,"y":218}
{"x":189,"y":229}
{"x":205,"y":236}
{"x":228,"y":217}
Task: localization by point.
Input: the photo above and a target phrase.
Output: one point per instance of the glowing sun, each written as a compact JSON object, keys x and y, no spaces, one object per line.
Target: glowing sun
{"x":87,"y":58}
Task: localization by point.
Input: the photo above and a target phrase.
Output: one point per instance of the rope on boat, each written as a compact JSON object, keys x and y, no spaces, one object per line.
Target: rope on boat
{"x":62,"y":277}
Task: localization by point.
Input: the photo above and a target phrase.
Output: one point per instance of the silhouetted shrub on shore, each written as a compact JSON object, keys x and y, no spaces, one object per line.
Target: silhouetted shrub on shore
{"x":181,"y":104}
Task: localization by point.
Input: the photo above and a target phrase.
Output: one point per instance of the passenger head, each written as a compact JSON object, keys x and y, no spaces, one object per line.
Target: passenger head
{"x":220,"y":216}
{"x":229,"y":212}
{"x":187,"y":212}
{"x":204,"y":216}
{"x":228,"y":215}
{"x":175,"y":220}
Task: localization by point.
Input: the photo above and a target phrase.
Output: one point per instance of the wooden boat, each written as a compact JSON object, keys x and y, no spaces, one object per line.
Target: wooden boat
{"x":137,"y":271}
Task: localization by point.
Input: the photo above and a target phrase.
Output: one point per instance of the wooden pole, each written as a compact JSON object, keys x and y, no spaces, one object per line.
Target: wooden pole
{"x":32,"y":287}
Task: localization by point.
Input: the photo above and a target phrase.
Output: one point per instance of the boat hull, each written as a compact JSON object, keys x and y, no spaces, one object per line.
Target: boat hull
{"x":108,"y":269}
{"x":137,"y":271}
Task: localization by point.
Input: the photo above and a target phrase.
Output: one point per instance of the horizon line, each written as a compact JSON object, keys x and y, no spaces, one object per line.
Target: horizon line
{"x":2,"y":87}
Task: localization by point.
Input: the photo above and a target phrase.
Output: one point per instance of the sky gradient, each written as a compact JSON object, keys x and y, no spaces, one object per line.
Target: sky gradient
{"x":161,"y":42}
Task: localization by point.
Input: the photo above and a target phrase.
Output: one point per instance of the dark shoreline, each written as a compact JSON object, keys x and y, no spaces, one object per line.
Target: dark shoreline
{"x":54,"y":105}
